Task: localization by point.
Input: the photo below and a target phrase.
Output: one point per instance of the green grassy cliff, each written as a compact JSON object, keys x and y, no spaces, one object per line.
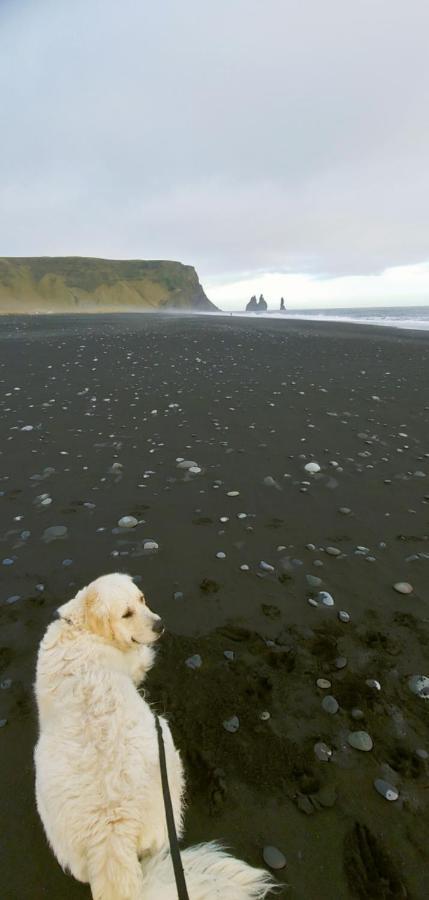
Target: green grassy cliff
{"x":58,"y":284}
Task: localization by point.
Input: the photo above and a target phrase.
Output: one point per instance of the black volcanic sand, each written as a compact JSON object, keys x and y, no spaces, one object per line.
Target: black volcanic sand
{"x":114,"y":401}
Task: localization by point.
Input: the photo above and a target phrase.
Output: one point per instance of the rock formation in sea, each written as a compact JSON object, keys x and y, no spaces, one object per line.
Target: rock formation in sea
{"x":255,"y":305}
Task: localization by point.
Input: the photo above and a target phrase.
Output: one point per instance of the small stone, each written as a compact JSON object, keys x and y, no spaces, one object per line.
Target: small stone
{"x":343,"y":616}
{"x":273,"y":858}
{"x":419,"y":685}
{"x":330,"y":704}
{"x":194,"y":470}
{"x":3,"y":722}
{"x":54,"y":533}
{"x":233,"y":493}
{"x":7,"y":561}
{"x":388,"y":791}
{"x":325,"y":599}
{"x":341,"y":662}
{"x":232,"y":725}
{"x":360,"y":740}
{"x":323,"y":684}
{"x":305,"y":805}
{"x":269,"y":481}
{"x":357,"y":713}
{"x":187,"y":464}
{"x":312,"y":468}
{"x":345,"y":510}
{"x":229,"y":654}
{"x":266,"y":567}
{"x":150,"y":546}
{"x":322,"y":752}
{"x":13,"y":599}
{"x":128,"y":522}
{"x":264,"y":715}
{"x":220,"y":555}
{"x":313,"y":580}
{"x":178,"y":595}
{"x":194,"y":662}
{"x":421,"y":753}
{"x":333,"y":551}
{"x":327,"y":796}
{"x":402,"y":587}
{"x":373,"y":683}
{"x":245,"y":568}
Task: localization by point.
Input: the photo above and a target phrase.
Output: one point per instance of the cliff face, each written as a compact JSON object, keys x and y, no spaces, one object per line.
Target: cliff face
{"x":78,"y":284}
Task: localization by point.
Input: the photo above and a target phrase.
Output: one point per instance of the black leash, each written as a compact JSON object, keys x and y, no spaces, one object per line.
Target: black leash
{"x":176,"y":859}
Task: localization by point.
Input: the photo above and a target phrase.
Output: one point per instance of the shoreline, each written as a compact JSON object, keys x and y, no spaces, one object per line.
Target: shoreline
{"x":423,"y":326}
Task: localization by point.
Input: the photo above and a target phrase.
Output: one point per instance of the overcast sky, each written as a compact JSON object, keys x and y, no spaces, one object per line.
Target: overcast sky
{"x":277,"y":145}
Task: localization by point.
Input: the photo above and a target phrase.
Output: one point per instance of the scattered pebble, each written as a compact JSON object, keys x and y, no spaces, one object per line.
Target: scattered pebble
{"x":402,"y":587}
{"x":54,"y":533}
{"x":128,"y":522}
{"x":312,"y":468}
{"x":322,"y":752}
{"x":373,"y":683}
{"x":343,"y":616}
{"x":330,"y":704}
{"x":232,"y":724}
{"x":388,"y":791}
{"x":323,"y":683}
{"x":313,"y":580}
{"x":274,"y":858}
{"x":264,"y":715}
{"x":194,"y":662}
{"x":360,"y":740}
{"x":150,"y":546}
{"x":266,"y":567}
{"x":419,"y":685}
{"x":325,"y":599}
{"x":341,"y":662}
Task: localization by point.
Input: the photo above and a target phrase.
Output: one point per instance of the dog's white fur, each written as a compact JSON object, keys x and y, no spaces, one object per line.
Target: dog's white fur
{"x":98,"y":786}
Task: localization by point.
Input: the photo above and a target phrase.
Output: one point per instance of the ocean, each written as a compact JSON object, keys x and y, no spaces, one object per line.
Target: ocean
{"x":414,"y":317}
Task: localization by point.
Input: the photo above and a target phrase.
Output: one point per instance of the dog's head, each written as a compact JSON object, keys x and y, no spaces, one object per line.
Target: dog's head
{"x":114,"y":608}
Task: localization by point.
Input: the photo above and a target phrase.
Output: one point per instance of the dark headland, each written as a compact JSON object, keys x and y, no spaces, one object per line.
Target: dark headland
{"x":59,"y":284}
{"x":98,"y":415}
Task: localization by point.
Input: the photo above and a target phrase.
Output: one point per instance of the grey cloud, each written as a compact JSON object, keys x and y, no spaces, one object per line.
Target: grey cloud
{"x":237,"y":135}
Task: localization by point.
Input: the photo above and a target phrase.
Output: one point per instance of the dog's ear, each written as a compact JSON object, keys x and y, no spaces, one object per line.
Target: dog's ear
{"x":97,"y":614}
{"x":74,"y":610}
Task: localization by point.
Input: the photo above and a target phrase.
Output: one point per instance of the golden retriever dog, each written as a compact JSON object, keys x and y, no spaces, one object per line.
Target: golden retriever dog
{"x":98,"y":783}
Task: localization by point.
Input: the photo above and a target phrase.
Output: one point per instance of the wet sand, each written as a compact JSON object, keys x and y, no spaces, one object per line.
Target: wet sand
{"x":110,"y":403}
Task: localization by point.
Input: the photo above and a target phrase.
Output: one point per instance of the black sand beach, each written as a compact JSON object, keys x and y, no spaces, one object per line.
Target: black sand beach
{"x":95,"y":411}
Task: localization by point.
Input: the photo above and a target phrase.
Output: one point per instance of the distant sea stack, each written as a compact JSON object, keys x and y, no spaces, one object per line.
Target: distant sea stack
{"x":60,"y":284}
{"x":255,"y":305}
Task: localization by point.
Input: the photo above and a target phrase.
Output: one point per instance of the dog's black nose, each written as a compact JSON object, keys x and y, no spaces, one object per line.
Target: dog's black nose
{"x":158,"y":626}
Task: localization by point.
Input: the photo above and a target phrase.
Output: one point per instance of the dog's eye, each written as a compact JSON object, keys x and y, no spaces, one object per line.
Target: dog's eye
{"x":128,"y":613}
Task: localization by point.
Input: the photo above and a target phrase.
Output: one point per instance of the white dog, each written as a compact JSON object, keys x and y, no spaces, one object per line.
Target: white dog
{"x":98,"y":784}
